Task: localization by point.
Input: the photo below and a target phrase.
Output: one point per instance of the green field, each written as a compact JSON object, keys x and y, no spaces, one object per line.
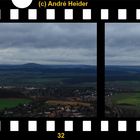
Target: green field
{"x":10,"y":103}
{"x":127,"y":98}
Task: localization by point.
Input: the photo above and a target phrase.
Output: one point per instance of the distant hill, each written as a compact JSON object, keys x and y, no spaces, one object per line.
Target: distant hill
{"x":37,"y":74}
{"x":32,"y":67}
{"x":122,"y":72}
{"x":48,"y":66}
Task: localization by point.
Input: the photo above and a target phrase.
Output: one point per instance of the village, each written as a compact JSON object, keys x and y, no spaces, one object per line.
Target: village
{"x":76,"y":103}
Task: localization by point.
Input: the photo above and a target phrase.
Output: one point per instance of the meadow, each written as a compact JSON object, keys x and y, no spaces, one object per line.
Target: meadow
{"x":127,"y":99}
{"x":12,"y":102}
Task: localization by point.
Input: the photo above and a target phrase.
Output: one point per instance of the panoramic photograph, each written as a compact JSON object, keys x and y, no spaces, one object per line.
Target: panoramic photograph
{"x":122,"y":70}
{"x":48,"y":70}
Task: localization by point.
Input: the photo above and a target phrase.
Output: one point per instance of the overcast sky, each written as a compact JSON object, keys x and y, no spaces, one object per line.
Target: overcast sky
{"x":122,"y":43}
{"x":48,"y":43}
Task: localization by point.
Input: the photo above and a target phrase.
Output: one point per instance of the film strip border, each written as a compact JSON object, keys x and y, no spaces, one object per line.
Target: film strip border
{"x":70,"y":126}
{"x":122,"y":14}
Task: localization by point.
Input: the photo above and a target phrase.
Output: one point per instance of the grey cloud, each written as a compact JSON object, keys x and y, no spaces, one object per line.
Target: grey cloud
{"x":47,"y":36}
{"x":61,"y":43}
{"x":122,"y":43}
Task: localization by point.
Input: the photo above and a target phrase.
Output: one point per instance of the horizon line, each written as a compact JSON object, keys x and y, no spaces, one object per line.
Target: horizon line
{"x":49,"y":64}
